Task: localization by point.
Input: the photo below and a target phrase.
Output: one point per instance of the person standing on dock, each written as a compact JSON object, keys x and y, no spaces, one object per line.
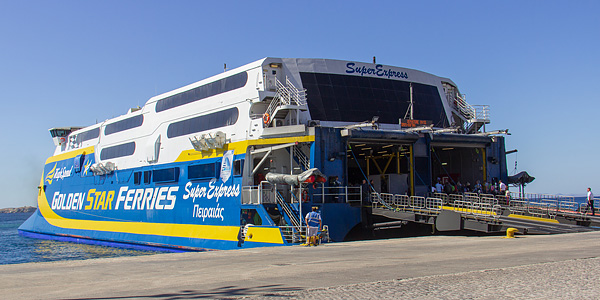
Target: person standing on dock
{"x":366,"y":192}
{"x":590,"y":201}
{"x":313,"y":221}
{"x":438,"y":186}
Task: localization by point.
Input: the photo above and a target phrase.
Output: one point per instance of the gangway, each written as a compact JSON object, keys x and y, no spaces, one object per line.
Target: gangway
{"x":539,"y":214}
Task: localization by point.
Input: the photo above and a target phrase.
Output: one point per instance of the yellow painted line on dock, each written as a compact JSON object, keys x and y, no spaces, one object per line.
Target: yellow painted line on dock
{"x":468,"y":210}
{"x":533,"y":218}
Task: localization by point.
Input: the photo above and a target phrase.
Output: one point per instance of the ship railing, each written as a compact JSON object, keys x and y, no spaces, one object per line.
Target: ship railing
{"x":401,"y":202}
{"x":445,"y":197}
{"x":569,"y":208}
{"x":433,"y":205}
{"x":454,"y":197}
{"x":286,"y":94}
{"x":471,"y":194}
{"x":536,"y":209}
{"x":489,"y":200}
{"x":518,"y":207}
{"x":264,"y":193}
{"x":502,"y":199}
{"x":296,"y":96}
{"x":302,"y":158}
{"x":338,"y":194}
{"x":482,"y":113}
{"x":556,"y":204}
{"x":398,"y":202}
{"x":551,"y":206}
{"x":467,"y":110}
{"x":484,"y":207}
{"x":418,"y":202}
{"x":583,"y":207}
{"x":251,"y":195}
{"x":537,"y":197}
{"x":470,"y":197}
{"x":292,"y":234}
{"x":477,"y":209}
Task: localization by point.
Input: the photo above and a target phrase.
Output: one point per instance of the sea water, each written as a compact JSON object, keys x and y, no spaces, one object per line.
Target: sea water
{"x":16,"y":249}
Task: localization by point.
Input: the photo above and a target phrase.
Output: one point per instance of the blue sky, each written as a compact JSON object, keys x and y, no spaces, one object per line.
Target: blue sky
{"x":72,"y":63}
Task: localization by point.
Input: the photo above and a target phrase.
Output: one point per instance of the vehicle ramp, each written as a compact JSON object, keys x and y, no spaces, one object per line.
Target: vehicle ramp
{"x":476,"y":212}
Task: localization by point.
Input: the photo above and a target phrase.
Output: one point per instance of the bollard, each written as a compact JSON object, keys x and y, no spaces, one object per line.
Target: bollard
{"x":510,"y":233}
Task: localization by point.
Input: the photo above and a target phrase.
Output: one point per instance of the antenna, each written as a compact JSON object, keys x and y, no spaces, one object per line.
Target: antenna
{"x":409,"y":111}
{"x":224,"y":67}
{"x":374,"y":60}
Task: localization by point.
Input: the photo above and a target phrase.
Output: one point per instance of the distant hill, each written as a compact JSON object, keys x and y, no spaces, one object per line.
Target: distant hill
{"x":24,"y":209}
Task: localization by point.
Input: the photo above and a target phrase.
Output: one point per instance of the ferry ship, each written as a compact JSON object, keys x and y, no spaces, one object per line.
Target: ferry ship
{"x":236,"y":160}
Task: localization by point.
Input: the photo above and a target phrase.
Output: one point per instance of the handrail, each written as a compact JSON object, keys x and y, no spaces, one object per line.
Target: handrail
{"x":482,"y":112}
{"x":288,"y":210}
{"x":302,"y":158}
{"x":286,"y":94}
{"x":339,"y":194}
{"x":465,"y":108}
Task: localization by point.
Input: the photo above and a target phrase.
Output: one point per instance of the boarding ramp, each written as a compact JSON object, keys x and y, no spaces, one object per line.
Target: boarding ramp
{"x":533,"y":213}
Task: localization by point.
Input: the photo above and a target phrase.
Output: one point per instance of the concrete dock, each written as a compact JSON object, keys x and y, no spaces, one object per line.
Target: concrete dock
{"x":564,"y":266}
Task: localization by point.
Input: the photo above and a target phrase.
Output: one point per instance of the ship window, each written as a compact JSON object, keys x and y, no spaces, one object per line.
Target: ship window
{"x":88,"y":135}
{"x":348,"y":98}
{"x":238,"y":167}
{"x":250,"y":216}
{"x":147,"y":177}
{"x":137,"y":178}
{"x":211,"y":121}
{"x":123,"y":125}
{"x":208,"y":90}
{"x":203,"y":171}
{"x":59,"y":132}
{"x":165,"y":175}
{"x":118,"y":151}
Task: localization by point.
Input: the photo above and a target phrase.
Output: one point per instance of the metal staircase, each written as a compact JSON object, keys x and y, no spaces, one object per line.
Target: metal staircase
{"x":301,"y":158}
{"x":287,"y":98}
{"x":475,"y":116}
{"x":290,"y":213}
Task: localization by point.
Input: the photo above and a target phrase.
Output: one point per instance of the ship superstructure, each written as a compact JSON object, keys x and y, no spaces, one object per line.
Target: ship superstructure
{"x":189,"y":168}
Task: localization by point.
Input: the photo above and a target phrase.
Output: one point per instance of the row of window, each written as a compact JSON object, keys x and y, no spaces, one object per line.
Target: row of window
{"x":117,"y":151}
{"x":111,"y":128}
{"x":211,"y":121}
{"x":156,"y":176}
{"x":208,"y":90}
{"x":206,"y":122}
{"x":195,"y":172}
{"x":88,"y":135}
{"x":211,"y":89}
{"x":123,"y":125}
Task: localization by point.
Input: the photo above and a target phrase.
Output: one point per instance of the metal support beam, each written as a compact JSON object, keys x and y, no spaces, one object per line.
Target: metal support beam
{"x":260,"y":163}
{"x":387,"y":165}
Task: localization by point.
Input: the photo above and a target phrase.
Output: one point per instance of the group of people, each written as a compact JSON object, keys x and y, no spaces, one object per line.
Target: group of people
{"x":493,"y":188}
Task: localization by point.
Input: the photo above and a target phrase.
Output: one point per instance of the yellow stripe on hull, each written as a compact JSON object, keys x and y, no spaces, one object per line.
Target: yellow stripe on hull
{"x":240,"y":147}
{"x":210,"y":232}
{"x":69,"y":154}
